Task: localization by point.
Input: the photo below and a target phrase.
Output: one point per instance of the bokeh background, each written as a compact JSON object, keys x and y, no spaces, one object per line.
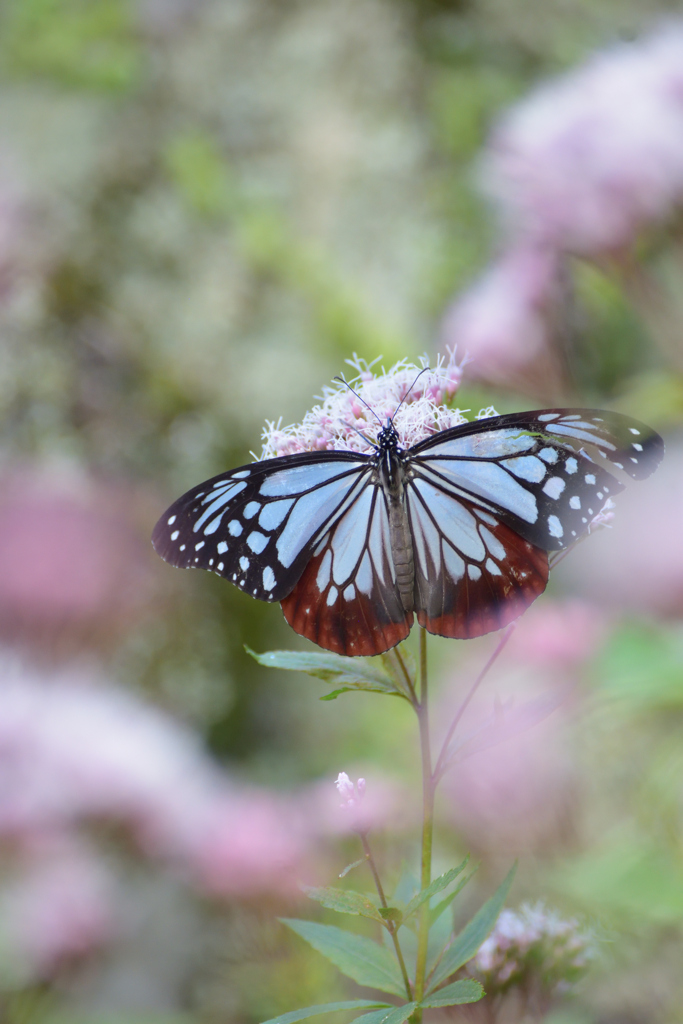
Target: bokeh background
{"x":206,"y":207}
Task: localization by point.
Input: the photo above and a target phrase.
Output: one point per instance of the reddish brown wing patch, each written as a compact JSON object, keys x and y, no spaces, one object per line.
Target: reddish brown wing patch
{"x":471,"y":607}
{"x":357,"y":624}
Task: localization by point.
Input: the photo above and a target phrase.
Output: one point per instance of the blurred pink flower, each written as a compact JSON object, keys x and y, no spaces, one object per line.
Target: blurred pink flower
{"x":75,"y":750}
{"x":72,"y":746}
{"x":515,"y":793}
{"x":55,"y":907}
{"x":342,"y":418}
{"x":501,"y":322}
{"x":251,"y":842}
{"x":558,"y":634}
{"x":72,"y":564}
{"x":591,"y":157}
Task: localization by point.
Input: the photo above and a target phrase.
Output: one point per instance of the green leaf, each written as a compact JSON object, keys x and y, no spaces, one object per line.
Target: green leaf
{"x":438,"y":910}
{"x":392,"y":914}
{"x":437,"y":886}
{"x":464,"y":991}
{"x":344,"y":901}
{"x":313,"y":1011}
{"x":396,"y":1015}
{"x":466,"y":944}
{"x":345,"y":673}
{"x":359,"y":958}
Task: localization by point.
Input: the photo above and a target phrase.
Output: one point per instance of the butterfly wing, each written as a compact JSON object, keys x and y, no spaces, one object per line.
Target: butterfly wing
{"x":544,"y":474}
{"x":488,"y":499}
{"x":347,"y":599}
{"x":473,"y":574}
{"x":258,"y":525}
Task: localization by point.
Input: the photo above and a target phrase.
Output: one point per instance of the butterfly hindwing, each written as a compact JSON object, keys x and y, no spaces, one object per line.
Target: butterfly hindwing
{"x":347,"y":599}
{"x":257,"y":525}
{"x":473,"y":574}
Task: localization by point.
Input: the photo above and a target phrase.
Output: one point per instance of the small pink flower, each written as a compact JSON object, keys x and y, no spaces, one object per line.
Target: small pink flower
{"x":348,"y":421}
{"x":592,"y":156}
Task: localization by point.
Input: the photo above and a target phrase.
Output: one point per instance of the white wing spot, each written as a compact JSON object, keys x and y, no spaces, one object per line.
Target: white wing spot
{"x":241,"y":475}
{"x":589,"y":478}
{"x":474,"y":572}
{"x":492,"y":567}
{"x":492,"y":543}
{"x":211,"y":561}
{"x":251,"y":509}
{"x":198,"y":547}
{"x":323,"y":577}
{"x":221,"y":547}
{"x":241,"y":583}
{"x":600,"y":494}
{"x":573,"y":533}
{"x":554,"y":487}
{"x":571,"y":466}
{"x":633,"y":430}
{"x":234,"y":528}
{"x":583,"y":519}
{"x":575,"y":501}
{"x":555,"y":527}
{"x":257,"y":541}
{"x":175,"y":535}
{"x":618,"y":465}
{"x":268,"y":578}
{"x":172,"y":520}
{"x":638,"y":447}
{"x":220,"y":567}
{"x":544,"y":417}
{"x":332,"y":596}
{"x":244,"y":563}
{"x":548,"y":455}
{"x":634,"y":460}
{"x":350,"y":593}
{"x":182,"y":547}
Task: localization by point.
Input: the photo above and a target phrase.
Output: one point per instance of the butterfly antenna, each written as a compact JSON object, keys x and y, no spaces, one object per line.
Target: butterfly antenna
{"x":360,"y":433}
{"x":346,"y":384}
{"x":423,"y":370}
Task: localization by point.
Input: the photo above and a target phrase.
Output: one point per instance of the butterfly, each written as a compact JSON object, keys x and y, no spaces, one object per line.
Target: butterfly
{"x":454,"y":530}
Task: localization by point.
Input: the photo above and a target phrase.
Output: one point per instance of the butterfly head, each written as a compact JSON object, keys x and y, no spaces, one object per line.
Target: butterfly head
{"x":387,"y":439}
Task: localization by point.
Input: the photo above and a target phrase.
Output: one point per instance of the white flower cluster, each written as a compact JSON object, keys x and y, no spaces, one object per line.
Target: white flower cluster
{"x":533,"y":947}
{"x":351,"y":421}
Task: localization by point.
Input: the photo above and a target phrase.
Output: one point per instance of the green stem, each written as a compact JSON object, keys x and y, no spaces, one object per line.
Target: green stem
{"x":391,"y":927}
{"x":427,"y":824}
{"x":406,"y":676}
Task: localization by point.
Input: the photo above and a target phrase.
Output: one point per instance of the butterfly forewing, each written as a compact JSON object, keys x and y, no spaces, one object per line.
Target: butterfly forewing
{"x":533,"y":470}
{"x":257,"y":525}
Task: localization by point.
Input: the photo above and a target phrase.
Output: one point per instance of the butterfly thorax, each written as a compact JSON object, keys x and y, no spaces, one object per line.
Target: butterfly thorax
{"x":391,"y":462}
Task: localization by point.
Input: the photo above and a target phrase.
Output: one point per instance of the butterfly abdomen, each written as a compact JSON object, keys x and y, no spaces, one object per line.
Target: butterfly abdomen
{"x":402,"y":552}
